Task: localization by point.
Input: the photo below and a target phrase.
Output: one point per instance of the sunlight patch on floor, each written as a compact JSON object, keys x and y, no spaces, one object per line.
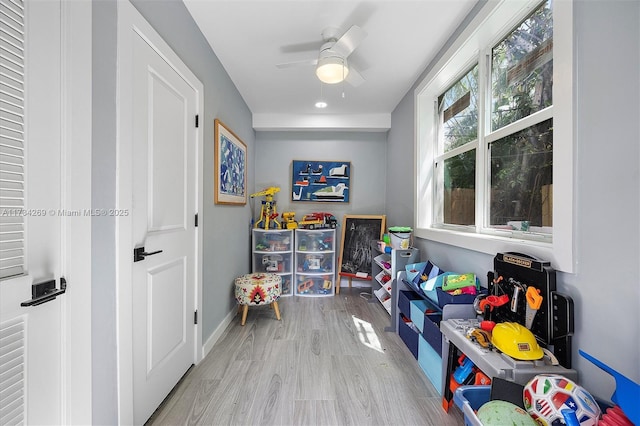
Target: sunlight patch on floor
{"x":366,"y":334}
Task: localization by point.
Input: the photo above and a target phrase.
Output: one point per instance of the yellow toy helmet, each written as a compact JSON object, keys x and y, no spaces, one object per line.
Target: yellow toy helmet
{"x":516,"y":341}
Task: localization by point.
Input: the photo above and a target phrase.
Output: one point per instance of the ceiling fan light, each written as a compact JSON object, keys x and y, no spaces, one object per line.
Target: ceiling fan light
{"x":332,"y":69}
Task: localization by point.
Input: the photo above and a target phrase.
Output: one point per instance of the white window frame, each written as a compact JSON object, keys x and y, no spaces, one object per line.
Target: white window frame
{"x":492,"y":23}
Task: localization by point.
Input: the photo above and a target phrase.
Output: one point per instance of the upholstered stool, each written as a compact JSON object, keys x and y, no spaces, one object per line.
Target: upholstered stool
{"x":258,"y":289}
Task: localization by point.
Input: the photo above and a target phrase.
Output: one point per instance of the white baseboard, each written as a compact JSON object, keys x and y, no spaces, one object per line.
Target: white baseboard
{"x":344,"y":282}
{"x":217,"y":333}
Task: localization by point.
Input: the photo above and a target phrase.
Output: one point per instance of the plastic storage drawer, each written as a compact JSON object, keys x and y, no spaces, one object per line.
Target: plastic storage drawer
{"x":319,"y":284}
{"x":315,"y":263}
{"x":469,"y":399}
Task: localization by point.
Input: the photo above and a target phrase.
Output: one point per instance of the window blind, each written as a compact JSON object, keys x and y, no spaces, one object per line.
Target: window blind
{"x":12,"y":212}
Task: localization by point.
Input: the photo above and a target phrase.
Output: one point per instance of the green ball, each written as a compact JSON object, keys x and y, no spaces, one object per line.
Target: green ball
{"x":500,"y":413}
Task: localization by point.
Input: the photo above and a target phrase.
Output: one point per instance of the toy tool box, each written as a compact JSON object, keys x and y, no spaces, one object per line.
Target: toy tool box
{"x":519,"y":276}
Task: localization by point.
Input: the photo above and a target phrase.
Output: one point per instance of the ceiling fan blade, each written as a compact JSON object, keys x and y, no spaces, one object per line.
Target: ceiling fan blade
{"x":305,"y":63}
{"x":301,"y":47}
{"x":354,"y":78}
{"x":349,"y":41}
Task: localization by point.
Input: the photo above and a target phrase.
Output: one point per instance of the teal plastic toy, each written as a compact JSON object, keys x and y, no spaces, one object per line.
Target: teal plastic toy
{"x":627,"y":393}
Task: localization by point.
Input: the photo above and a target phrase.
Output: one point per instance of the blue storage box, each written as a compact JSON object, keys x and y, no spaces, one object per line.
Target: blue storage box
{"x":469,"y":399}
{"x":445,"y":298}
{"x":404,"y":301}
{"x":414,"y":269}
{"x":408,"y":336}
{"x":432,"y":333}
{"x":427,"y":323}
{"x":430,"y":362}
{"x":431,"y":286}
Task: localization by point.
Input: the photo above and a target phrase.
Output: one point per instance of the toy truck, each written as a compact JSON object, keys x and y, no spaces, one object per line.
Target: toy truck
{"x":318,"y":220}
{"x":289,"y":221}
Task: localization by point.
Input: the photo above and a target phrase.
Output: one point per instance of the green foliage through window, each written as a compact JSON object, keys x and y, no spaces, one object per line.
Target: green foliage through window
{"x":519,"y":177}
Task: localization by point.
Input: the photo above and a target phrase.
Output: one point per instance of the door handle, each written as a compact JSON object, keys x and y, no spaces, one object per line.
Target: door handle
{"x":45,"y":292}
{"x":139,"y":253}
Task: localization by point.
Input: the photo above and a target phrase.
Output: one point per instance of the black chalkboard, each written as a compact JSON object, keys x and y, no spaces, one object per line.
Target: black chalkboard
{"x":357,"y":233}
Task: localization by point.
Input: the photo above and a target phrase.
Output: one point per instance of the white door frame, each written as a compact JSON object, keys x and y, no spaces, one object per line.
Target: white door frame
{"x":132,"y":24}
{"x":76,"y":195}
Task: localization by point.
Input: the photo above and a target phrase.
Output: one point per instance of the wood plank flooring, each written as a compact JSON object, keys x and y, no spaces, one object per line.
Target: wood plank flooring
{"x":328,"y":362}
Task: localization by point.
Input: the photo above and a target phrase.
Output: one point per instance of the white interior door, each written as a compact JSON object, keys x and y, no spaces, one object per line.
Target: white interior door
{"x":164,"y":200}
{"x":30,"y":337}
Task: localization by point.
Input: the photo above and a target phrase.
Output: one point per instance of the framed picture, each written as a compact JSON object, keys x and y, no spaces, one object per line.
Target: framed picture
{"x":320,"y":181}
{"x":358,"y":231}
{"x":230,"y":167}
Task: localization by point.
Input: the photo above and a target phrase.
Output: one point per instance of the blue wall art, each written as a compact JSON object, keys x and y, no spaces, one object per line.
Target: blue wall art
{"x":320,"y":181}
{"x":230,"y":167}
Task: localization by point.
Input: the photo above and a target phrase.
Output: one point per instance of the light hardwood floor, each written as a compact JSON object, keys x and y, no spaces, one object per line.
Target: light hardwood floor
{"x":328,"y":362}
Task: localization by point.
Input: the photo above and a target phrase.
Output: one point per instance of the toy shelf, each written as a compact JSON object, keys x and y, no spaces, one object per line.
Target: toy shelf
{"x":384,"y":269}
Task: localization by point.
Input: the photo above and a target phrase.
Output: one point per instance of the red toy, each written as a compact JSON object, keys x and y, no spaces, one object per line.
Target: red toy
{"x":318,"y":220}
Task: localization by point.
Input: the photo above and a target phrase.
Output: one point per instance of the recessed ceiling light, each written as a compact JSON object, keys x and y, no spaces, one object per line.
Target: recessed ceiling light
{"x":321,"y":104}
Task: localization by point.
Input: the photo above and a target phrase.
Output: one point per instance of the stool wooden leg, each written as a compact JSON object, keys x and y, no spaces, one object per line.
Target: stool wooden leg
{"x":245,"y":309}
{"x":239,"y":308}
{"x":277,"y":309}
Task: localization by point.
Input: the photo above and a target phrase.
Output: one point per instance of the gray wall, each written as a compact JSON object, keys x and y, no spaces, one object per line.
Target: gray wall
{"x":365,"y":150}
{"x":225,"y":255}
{"x":607,"y":307}
{"x":222,"y":261}
{"x":605,"y":288}
{"x":104,"y":376}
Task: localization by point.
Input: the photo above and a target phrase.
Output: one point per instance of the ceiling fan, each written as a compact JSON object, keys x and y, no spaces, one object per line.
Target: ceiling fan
{"x":331,"y":65}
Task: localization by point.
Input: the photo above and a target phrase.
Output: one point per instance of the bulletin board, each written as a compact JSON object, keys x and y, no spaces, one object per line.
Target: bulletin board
{"x":358,"y":231}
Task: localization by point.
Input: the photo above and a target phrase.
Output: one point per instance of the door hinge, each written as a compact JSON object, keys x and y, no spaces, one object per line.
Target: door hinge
{"x":196,"y":120}
{"x":196,"y":220}
{"x":195,"y":317}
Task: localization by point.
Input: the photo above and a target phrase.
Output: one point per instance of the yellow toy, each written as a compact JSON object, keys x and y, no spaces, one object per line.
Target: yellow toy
{"x":268,"y":212}
{"x":288,"y":218}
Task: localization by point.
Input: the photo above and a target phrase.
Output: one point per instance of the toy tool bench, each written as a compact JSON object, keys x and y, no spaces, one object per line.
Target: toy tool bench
{"x":522,"y":289}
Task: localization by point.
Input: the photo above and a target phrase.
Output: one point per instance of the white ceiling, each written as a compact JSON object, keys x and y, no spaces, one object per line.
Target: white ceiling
{"x":251,"y":36}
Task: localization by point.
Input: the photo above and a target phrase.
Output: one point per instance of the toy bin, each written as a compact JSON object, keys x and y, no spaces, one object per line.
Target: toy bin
{"x":408,"y":335}
{"x":427,"y":323}
{"x":445,"y":298}
{"x":404,"y":301}
{"x":430,"y":362}
{"x":469,"y":399}
{"x":400,"y":239}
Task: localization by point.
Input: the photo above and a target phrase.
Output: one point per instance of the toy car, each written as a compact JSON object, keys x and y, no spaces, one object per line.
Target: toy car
{"x":305,"y":286}
{"x":318,"y":220}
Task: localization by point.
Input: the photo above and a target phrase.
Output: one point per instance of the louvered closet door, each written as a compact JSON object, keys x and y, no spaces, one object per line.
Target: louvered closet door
{"x":30,"y":181}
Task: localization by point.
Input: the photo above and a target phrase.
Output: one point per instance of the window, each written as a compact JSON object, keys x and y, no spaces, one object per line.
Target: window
{"x":487,"y":116}
{"x":456,"y":161}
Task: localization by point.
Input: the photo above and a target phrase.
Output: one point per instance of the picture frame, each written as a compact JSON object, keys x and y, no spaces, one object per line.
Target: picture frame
{"x":358,"y":231}
{"x":230,"y":167}
{"x":320,"y":181}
